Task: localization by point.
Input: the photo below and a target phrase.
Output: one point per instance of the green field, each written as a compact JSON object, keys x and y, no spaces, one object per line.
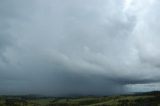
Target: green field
{"x":142,"y":99}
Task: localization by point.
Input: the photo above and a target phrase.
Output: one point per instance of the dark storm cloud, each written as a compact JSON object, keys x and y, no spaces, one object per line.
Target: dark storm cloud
{"x":77,"y":47}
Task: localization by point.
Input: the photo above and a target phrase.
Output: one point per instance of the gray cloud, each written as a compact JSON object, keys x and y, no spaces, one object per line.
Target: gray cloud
{"x":78,"y":47}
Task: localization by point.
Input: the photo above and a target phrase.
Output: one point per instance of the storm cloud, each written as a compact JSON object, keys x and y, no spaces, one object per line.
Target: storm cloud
{"x":79,"y":47}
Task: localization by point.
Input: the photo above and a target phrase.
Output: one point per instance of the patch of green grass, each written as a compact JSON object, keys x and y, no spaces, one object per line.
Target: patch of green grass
{"x":126,"y":100}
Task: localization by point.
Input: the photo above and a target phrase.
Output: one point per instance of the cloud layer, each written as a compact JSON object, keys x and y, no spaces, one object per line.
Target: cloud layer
{"x":78,"y":47}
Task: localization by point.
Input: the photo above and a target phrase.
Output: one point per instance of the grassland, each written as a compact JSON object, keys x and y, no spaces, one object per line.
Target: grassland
{"x":142,"y":99}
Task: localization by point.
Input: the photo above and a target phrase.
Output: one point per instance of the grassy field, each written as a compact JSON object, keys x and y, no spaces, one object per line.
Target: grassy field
{"x":142,"y":99}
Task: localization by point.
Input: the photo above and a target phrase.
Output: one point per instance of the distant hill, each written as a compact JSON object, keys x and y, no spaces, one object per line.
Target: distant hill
{"x":136,"y":99}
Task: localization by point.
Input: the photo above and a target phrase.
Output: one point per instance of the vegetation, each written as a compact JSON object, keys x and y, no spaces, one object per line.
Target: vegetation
{"x":141,"y":99}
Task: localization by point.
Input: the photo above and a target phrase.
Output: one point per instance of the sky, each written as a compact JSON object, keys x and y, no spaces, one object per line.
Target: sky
{"x":79,"y":47}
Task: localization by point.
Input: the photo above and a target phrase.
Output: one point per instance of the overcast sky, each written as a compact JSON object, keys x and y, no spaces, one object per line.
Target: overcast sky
{"x":79,"y":47}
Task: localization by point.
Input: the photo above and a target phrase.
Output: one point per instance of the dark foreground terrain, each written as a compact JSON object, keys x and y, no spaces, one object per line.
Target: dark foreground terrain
{"x":141,"y":99}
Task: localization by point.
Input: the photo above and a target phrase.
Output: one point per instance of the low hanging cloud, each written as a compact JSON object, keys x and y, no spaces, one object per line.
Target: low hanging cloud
{"x":73,"y":47}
